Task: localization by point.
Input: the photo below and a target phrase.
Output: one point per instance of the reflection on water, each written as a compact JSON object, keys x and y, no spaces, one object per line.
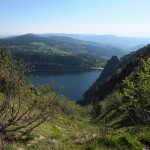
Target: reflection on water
{"x":70,"y":84}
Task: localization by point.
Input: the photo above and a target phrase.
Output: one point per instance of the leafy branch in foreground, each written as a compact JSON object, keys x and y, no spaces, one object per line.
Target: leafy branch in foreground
{"x":136,"y":94}
{"x":22,"y":107}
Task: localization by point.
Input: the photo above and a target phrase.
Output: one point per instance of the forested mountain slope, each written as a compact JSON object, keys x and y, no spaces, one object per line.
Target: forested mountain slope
{"x":59,"y":52}
{"x":56,"y":44}
{"x":124,"y":98}
{"x":128,"y":43}
{"x":111,"y":71}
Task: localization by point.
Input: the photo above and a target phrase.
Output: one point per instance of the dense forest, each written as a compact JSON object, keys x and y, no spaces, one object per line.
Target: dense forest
{"x":59,"y":62}
{"x":59,"y":53}
{"x":134,"y":73}
{"x":113,"y":68}
{"x":60,"y":45}
{"x":122,"y":98}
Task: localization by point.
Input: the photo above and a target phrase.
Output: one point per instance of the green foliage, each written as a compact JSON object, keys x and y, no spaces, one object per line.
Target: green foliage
{"x":130,"y":143}
{"x":132,"y":83}
{"x":60,"y":45}
{"x":58,"y":62}
{"x":107,"y":106}
{"x":111,"y":102}
{"x":56,"y":53}
{"x":108,"y":71}
{"x":113,"y":74}
{"x":8,"y":73}
{"x":144,"y":138}
{"x":69,"y":125}
{"x":108,"y":141}
{"x":117,"y":143}
{"x":22,"y":107}
{"x":67,"y":131}
{"x":137,"y":90}
{"x":25,"y":107}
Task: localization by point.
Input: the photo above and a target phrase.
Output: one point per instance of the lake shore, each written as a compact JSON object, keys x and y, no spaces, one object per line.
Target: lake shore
{"x":70,"y":70}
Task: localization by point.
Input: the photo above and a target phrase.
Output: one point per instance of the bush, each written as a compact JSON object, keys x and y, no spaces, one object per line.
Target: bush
{"x":113,"y":142}
{"x":145,"y":138}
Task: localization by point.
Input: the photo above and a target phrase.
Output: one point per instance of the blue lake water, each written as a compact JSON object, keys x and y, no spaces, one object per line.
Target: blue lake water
{"x":69,"y":84}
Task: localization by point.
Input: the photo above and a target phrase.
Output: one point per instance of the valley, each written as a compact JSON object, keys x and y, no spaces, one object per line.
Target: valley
{"x":75,"y":75}
{"x":64,"y":103}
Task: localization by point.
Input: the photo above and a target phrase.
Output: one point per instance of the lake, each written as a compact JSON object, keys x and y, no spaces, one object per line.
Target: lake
{"x":69,"y":84}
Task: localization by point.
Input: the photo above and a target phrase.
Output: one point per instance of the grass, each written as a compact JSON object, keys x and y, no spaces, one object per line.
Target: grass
{"x":71,"y":129}
{"x":116,"y":143}
{"x":62,"y":132}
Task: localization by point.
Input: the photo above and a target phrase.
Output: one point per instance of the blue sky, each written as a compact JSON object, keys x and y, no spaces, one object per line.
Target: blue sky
{"x":119,"y":17}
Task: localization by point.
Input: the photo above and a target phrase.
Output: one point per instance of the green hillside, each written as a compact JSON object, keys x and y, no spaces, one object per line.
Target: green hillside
{"x":123,"y":100}
{"x":59,"y":53}
{"x":112,"y":68}
{"x":60,"y":44}
{"x":130,"y":71}
{"x":36,"y":118}
{"x":128,"y":43}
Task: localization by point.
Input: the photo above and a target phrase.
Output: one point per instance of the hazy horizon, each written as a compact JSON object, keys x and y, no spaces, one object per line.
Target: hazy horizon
{"x":127,"y":36}
{"x":116,"y":17}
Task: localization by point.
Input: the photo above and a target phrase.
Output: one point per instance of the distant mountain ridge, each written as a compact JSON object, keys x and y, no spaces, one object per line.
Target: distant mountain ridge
{"x":128,"y":43}
{"x":53,"y":53}
{"x":61,"y":44}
